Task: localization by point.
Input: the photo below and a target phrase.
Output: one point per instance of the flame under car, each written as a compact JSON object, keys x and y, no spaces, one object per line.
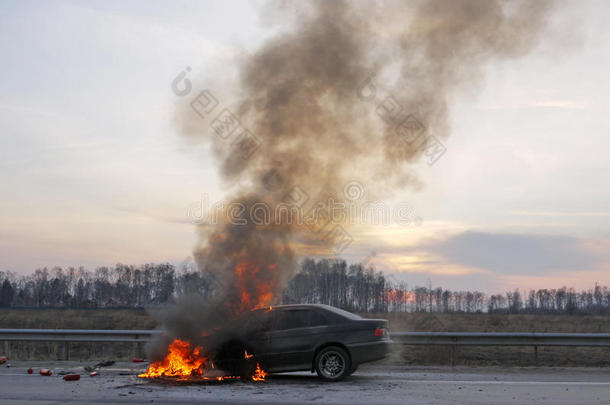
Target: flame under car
{"x":319,"y":338}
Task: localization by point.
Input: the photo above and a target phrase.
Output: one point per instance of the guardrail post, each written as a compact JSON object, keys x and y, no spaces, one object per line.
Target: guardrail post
{"x":536,"y":355}
{"x":452,"y":355}
{"x":67,"y":350}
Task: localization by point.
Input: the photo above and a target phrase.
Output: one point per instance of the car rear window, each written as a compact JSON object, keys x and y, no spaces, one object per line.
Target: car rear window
{"x":344,"y":314}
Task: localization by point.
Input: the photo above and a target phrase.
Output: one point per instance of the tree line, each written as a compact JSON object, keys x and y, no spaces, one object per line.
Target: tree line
{"x":355,"y":287}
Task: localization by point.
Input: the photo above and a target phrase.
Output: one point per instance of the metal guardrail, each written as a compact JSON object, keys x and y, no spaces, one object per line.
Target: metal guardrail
{"x":77,"y":335}
{"x":452,"y":339}
{"x":501,"y":339}
{"x":67,"y":336}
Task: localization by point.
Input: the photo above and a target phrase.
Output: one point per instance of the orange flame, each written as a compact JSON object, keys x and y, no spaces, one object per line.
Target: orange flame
{"x":182,"y":360}
{"x":259,"y":374}
{"x":255,"y":293}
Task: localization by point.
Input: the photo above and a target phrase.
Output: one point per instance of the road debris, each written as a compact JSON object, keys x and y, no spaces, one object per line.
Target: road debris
{"x":72,"y":377}
{"x":46,"y":372}
{"x":101,"y":364}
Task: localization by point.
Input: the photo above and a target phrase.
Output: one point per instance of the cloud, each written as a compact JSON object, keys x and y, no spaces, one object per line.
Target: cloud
{"x":514,"y":253}
{"x":456,"y":257}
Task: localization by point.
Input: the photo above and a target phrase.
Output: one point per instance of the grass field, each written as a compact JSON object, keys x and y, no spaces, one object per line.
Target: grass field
{"x":462,"y":322}
{"x":459,"y":322}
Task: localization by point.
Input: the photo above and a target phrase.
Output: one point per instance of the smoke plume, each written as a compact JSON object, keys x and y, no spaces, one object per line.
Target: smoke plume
{"x":315,"y":100}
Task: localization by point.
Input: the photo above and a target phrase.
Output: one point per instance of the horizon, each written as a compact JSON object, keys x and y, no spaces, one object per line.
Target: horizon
{"x":393,"y":280}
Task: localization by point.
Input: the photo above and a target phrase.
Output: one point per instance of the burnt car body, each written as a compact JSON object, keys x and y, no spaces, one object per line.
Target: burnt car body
{"x":319,"y":338}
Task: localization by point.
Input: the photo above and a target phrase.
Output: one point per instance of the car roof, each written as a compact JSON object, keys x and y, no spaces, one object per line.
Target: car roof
{"x":302,"y":306}
{"x":337,"y":311}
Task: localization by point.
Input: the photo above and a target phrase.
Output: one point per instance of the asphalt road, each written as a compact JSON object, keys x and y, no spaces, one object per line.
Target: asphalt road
{"x":373,"y":384}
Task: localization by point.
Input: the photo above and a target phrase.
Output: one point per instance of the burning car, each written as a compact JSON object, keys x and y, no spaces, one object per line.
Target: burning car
{"x":285,"y":338}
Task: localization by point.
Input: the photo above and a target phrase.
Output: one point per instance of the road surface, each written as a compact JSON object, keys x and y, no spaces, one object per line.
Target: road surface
{"x":372,"y":384}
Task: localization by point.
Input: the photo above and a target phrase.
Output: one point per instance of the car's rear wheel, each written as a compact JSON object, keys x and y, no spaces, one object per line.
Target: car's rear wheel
{"x":332,"y":363}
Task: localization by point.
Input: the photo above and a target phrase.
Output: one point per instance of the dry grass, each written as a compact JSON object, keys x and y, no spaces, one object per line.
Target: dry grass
{"x":460,"y":322}
{"x":77,"y":319}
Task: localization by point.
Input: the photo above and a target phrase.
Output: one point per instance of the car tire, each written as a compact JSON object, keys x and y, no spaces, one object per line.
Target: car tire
{"x":332,"y":364}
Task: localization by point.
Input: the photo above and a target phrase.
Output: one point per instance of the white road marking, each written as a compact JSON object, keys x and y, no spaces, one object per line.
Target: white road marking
{"x":483,"y":382}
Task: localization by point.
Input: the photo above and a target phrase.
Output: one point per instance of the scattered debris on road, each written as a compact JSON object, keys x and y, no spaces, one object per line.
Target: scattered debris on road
{"x":46,"y":372}
{"x":30,"y":370}
{"x":3,"y":359}
{"x":101,"y":364}
{"x":72,"y":377}
{"x":94,"y":374}
{"x":137,"y":360}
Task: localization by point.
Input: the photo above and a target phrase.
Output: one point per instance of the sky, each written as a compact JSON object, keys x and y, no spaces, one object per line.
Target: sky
{"x":93,"y":170}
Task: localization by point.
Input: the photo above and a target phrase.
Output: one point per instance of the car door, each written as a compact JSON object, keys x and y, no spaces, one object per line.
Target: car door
{"x":255,"y":333}
{"x":293,"y":337}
